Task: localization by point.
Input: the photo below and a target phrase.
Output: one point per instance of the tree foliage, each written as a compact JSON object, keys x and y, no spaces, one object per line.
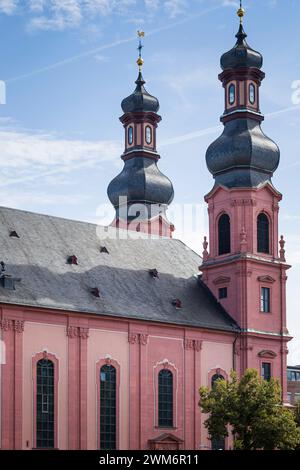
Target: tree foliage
{"x":253,"y":410}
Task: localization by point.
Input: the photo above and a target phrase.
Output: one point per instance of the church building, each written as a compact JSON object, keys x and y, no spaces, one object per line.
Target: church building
{"x":107,"y":339}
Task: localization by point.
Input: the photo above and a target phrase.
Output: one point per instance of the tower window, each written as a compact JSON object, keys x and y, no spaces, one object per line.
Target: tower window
{"x":266,"y":371}
{"x":108,"y":407}
{"x":263,"y":235}
{"x":45,"y":404}
{"x":148,"y":135}
{"x":165,"y":398}
{"x":224,"y":234}
{"x":265,"y":300}
{"x":231,"y":93}
{"x":130,"y":135}
{"x":223,"y":293}
{"x":252,"y":93}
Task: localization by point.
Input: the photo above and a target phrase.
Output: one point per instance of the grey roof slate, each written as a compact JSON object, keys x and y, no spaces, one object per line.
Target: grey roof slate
{"x":39,"y":258}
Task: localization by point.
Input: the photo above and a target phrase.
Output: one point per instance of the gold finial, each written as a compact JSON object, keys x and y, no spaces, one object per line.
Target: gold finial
{"x":140,"y":61}
{"x":241,"y":12}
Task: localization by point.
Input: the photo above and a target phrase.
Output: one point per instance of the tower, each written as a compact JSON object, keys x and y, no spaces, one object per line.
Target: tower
{"x":141,"y":193}
{"x":243,"y":267}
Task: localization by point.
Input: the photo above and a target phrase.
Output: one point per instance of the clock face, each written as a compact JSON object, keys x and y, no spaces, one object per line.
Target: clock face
{"x":130,"y":135}
{"x":148,"y":135}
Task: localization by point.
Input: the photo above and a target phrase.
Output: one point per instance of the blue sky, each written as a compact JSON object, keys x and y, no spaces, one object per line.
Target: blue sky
{"x":67,"y":65}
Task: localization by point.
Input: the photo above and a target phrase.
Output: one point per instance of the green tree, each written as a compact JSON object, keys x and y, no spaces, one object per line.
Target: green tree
{"x":252,"y":407}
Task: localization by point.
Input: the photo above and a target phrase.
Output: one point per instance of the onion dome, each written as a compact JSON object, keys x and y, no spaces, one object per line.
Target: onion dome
{"x":241,"y":55}
{"x":243,"y":156}
{"x":140,"y":100}
{"x":141,"y":181}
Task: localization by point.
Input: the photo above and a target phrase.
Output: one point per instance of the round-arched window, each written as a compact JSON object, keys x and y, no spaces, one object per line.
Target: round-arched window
{"x":231,"y":93}
{"x":148,"y":135}
{"x":252,"y":93}
{"x":263,"y":233}
{"x":224,"y":234}
{"x":130,"y":135}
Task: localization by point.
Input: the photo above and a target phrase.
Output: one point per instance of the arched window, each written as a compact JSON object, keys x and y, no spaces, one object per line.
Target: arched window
{"x":217,"y":443}
{"x":215,"y":378}
{"x":108,"y":407}
{"x":165,"y":398}
{"x":148,"y":135}
{"x":231,"y":93}
{"x":130,"y":135}
{"x":263,"y":234}
{"x":224,"y":234}
{"x":252,"y":93}
{"x":45,"y":404}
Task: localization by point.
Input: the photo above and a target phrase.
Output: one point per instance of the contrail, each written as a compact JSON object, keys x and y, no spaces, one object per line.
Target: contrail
{"x":110,"y":46}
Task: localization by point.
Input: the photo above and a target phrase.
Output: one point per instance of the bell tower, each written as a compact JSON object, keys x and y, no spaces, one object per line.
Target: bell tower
{"x":243,"y":267}
{"x":141,"y":193}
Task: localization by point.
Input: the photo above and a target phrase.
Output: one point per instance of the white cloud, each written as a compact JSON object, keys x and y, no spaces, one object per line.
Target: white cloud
{"x":26,"y":156}
{"x":8,"y":6}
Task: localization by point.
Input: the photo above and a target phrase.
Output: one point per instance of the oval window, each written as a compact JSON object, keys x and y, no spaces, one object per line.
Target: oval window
{"x":130,"y":135}
{"x":148,"y":135}
{"x":231,"y":92}
{"x":252,"y":93}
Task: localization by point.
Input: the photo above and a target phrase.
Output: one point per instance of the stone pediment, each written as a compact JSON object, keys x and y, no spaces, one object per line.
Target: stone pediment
{"x":268,"y":354}
{"x":166,"y":441}
{"x":266,"y":279}
{"x":221,"y":280}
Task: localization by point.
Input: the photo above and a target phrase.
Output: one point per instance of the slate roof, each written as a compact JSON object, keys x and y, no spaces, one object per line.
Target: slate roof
{"x":39,"y":258}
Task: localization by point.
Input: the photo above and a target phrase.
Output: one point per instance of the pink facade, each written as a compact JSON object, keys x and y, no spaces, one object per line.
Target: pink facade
{"x":78,"y":345}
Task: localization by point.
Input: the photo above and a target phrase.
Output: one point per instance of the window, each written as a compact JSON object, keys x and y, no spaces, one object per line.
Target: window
{"x":108,"y":407}
{"x":45,"y":404}
{"x":148,"y":135}
{"x":217,"y":443}
{"x":215,"y":378}
{"x":130,"y":135}
{"x":293,"y":375}
{"x":289,"y":397}
{"x":231,"y":93}
{"x":252,"y":93}
{"x":265,"y":300}
{"x":165,"y":398}
{"x":266,"y":371}
{"x":223,"y":293}
{"x":224,"y":234}
{"x":263,"y":244}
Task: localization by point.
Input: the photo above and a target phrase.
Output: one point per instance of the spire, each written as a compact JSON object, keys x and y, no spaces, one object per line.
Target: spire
{"x":140,"y":100}
{"x":241,"y":12}
{"x":241,"y":55}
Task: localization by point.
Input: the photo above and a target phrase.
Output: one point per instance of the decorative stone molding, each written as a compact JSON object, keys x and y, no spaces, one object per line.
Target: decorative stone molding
{"x":7,"y":324}
{"x":205,"y":253}
{"x":19,"y":326}
{"x":267,"y":278}
{"x":138,"y":338}
{"x":284,"y":351}
{"x":243,"y":202}
{"x":77,"y":332}
{"x":143,"y":339}
{"x":282,"y":250}
{"x":194,"y":344}
{"x":221,"y":280}
{"x":267,"y":354}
